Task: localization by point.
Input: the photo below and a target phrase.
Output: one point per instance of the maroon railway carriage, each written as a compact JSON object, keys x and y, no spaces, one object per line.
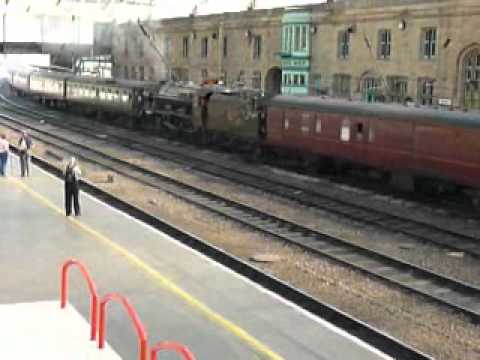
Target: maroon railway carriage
{"x":409,"y":142}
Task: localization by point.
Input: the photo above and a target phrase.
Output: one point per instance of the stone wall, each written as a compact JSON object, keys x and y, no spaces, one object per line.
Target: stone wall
{"x":456,"y":23}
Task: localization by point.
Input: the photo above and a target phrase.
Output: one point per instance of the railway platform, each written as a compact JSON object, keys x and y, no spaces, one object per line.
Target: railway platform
{"x":178,"y":294}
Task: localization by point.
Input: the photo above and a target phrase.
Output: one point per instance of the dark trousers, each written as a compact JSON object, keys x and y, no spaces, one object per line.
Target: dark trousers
{"x":3,"y":163}
{"x":24,"y":163}
{"x":71,"y":193}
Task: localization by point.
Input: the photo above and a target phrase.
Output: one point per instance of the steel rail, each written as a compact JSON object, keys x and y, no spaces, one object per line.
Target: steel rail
{"x":363,"y":214}
{"x":455,"y":294}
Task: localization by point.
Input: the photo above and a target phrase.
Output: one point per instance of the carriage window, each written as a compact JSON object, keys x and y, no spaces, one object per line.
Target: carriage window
{"x":305,"y":123}
{"x":371,"y":134}
{"x":359,"y":134}
{"x":286,"y":122}
{"x":345,"y":131}
{"x":318,"y":126}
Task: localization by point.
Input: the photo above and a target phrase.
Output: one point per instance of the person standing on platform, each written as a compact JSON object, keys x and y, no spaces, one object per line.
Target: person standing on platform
{"x":24,"y":146}
{"x":72,"y":187}
{"x":4,"y":149}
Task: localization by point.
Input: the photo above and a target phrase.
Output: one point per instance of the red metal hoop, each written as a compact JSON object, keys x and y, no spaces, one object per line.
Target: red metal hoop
{"x":173,"y":346}
{"x":142,"y":334}
{"x":91,"y":286}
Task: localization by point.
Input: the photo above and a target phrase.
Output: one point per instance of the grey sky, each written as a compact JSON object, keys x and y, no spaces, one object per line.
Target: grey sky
{"x":23,"y":25}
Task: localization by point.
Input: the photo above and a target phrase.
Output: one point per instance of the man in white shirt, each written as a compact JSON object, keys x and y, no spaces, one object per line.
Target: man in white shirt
{"x":24,"y":146}
{"x":72,"y":187}
{"x":4,"y":148}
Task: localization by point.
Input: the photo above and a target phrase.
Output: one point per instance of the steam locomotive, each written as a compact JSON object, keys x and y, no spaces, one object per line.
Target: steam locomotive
{"x":409,"y":145}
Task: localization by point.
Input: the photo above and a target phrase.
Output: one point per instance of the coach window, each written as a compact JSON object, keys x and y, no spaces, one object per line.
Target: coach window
{"x":305,"y":128}
{"x":318,"y":125}
{"x":286,"y":122}
{"x":359,"y":133}
{"x":345,"y":131}
{"x":371,"y":133}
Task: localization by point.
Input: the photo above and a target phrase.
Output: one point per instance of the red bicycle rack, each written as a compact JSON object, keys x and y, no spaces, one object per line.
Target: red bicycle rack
{"x":91,"y":286}
{"x":172,"y":346}
{"x":142,"y":334}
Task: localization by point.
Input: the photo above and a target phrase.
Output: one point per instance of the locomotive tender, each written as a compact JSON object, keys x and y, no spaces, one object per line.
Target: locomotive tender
{"x":406,"y":143}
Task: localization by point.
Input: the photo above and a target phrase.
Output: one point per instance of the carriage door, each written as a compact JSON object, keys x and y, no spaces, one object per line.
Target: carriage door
{"x":360,"y":138}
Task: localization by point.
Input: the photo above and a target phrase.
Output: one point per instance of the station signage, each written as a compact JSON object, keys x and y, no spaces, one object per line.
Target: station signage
{"x":445,"y":102}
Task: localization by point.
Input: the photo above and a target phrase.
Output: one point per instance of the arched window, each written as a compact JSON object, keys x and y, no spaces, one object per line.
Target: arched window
{"x":369,"y":88}
{"x":471,"y":79}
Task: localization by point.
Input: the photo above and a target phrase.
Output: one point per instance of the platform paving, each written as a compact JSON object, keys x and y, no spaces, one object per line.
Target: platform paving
{"x":41,"y":330}
{"x":179,"y":294}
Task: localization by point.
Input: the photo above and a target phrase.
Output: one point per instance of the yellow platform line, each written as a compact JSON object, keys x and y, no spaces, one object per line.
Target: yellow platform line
{"x":160,"y":279}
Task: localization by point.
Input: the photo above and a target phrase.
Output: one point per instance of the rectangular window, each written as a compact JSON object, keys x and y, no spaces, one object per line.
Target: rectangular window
{"x":341,"y":85}
{"x":204,"y":49}
{"x":301,"y":80}
{"x":125,"y":72}
{"x":141,"y":70}
{"x":140,"y":48}
{"x":303,"y":41}
{"x":318,"y":83}
{"x":185,"y":47}
{"x":168,"y":46}
{"x":257,"y":46}
{"x":425,"y":91}
{"x":429,"y":41}
{"x":397,"y":89}
{"x":290,"y":38}
{"x":225,"y":78}
{"x":296,"y":45}
{"x":384,"y":44}
{"x":134,"y":73}
{"x":225,"y":46}
{"x":204,"y":74}
{"x":257,"y":80}
{"x":125,"y":50}
{"x":343,"y":44}
{"x":152,"y":73}
{"x":241,"y":77}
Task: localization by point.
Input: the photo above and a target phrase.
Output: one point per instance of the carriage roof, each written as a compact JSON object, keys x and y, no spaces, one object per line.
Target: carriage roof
{"x":383,"y":111}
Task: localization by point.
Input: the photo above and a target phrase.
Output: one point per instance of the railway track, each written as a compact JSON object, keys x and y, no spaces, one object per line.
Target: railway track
{"x":447,"y":291}
{"x":303,"y":195}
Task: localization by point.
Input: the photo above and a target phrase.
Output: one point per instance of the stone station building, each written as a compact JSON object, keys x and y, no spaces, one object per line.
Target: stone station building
{"x":422,"y":51}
